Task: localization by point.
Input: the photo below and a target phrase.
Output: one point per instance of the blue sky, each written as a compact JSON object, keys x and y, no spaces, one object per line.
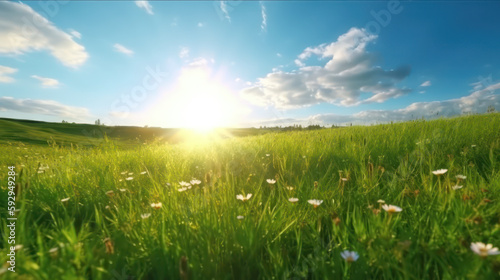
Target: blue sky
{"x":202,"y":64}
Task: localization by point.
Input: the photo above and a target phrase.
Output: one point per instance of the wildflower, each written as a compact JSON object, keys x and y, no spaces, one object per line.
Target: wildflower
{"x":184,"y":184}
{"x":440,"y":172}
{"x":380,"y":201}
{"x":289,"y":188}
{"x":268,"y":155}
{"x":315,"y":202}
{"x":271,"y":181}
{"x":124,"y":172}
{"x":461,"y":177}
{"x":182,"y":189}
{"x":391,"y":208}
{"x":293,"y":199}
{"x":456,"y":187}
{"x":145,"y":215}
{"x":110,"y":248}
{"x":123,"y":190}
{"x":472,"y":146}
{"x":315,"y":184}
{"x":143,"y":172}
{"x":54,"y":252}
{"x":129,"y":178}
{"x":107,"y":207}
{"x":131,"y":173}
{"x":18,"y":247}
{"x":484,"y":250}
{"x":65,"y":199}
{"x":240,"y":217}
{"x":156,"y":205}
{"x":110,"y":193}
{"x":344,"y":179}
{"x":195,"y":182}
{"x":349,"y":256}
{"x":243,"y":198}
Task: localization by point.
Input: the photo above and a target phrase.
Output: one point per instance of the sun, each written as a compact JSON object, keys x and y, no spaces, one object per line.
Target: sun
{"x":206,"y":111}
{"x":199,"y":102}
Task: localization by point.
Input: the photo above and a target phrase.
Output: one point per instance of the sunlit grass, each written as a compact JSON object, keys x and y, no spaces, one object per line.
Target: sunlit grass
{"x":250,"y":207}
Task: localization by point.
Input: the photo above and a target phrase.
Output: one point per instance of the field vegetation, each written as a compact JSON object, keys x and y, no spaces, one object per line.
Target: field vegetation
{"x":408,"y":198}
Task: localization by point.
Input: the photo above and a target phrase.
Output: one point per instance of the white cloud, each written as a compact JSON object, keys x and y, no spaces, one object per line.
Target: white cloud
{"x":278,"y":55}
{"x":476,"y":102}
{"x":200,"y":62}
{"x":43,"y":107}
{"x":223,"y":8}
{"x":263,"y":25}
{"x":145,"y":5}
{"x":24,"y":30}
{"x":348,"y":73}
{"x":184,"y":52}
{"x":75,"y":33}
{"x":122,"y":49}
{"x":201,"y":24}
{"x":5,"y":72}
{"x":426,"y":84}
{"x":47,"y":82}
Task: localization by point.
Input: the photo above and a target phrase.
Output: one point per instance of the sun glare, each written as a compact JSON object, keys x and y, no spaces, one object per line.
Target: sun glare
{"x":199,"y":102}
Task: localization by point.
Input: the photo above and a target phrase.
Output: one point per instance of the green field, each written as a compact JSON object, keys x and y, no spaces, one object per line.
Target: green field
{"x":108,"y":229}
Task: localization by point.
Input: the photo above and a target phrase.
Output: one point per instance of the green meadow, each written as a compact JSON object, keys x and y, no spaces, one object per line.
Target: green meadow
{"x":114,"y":205}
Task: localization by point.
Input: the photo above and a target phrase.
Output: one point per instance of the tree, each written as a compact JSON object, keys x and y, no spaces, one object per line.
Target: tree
{"x":491,"y":109}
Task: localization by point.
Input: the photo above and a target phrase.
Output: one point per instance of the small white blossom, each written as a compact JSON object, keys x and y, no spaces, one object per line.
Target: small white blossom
{"x":156,"y":205}
{"x":440,"y":172}
{"x":195,"y":182}
{"x":315,"y":202}
{"x":243,"y":198}
{"x":484,"y":250}
{"x":349,"y":256}
{"x":391,"y":208}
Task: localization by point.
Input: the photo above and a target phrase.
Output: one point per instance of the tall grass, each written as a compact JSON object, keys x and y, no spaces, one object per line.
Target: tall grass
{"x":103,"y":236}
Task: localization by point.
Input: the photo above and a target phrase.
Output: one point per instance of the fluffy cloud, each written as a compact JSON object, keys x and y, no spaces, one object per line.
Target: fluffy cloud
{"x":476,"y":102}
{"x":426,"y":84}
{"x":184,"y":52}
{"x":145,"y":5}
{"x":75,"y":33}
{"x":263,"y":25}
{"x":348,"y":73}
{"x":23,"y":30}
{"x":122,"y":49}
{"x":4,"y":72}
{"x":43,"y":107}
{"x":47,"y":82}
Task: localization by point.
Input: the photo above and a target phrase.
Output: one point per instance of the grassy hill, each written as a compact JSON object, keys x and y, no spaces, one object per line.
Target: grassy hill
{"x":38,"y":132}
